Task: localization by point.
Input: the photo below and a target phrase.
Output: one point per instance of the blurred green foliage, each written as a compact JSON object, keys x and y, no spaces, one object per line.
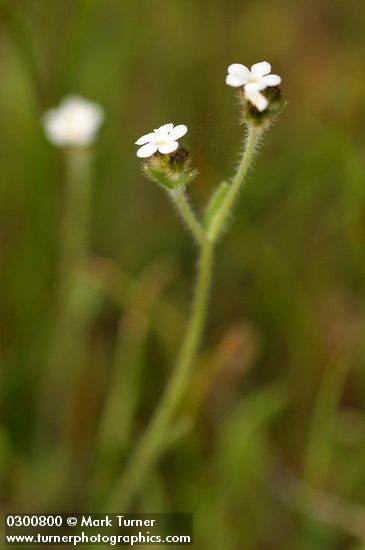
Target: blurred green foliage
{"x":279,"y":390}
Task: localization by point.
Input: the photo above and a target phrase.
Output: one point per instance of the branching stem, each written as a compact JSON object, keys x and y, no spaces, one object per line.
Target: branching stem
{"x":153,"y":441}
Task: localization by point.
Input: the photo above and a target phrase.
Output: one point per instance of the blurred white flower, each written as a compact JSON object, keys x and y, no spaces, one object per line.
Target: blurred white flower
{"x":257,"y":78}
{"x":74,"y":123}
{"x":163,"y":139}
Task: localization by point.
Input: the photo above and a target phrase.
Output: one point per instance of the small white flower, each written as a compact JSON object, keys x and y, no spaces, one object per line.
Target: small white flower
{"x":74,"y":123}
{"x":257,"y":78}
{"x":254,"y":81}
{"x":163,"y":139}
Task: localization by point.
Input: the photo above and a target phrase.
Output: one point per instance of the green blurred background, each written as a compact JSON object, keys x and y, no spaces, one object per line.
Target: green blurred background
{"x":271,"y":450}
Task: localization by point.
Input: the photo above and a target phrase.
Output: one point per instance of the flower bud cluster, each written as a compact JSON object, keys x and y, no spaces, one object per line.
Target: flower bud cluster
{"x":263,"y":119}
{"x":170,"y":171}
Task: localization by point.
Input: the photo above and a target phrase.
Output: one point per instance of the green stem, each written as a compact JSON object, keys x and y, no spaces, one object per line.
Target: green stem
{"x":75,"y":227}
{"x":178,"y":197}
{"x":23,"y":39}
{"x":73,"y":299}
{"x":219,"y":221}
{"x":153,"y":441}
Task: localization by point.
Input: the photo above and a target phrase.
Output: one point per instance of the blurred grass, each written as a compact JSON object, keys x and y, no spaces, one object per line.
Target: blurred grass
{"x":290,"y":275}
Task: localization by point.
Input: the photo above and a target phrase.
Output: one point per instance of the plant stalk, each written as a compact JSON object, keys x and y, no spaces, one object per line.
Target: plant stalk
{"x":178,"y":197}
{"x":153,"y":441}
{"x":219,"y":221}
{"x":74,"y":302}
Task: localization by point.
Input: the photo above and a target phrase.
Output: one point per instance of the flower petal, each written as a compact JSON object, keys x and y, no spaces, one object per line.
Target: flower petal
{"x":53,"y":127}
{"x":165,"y":129}
{"x":271,"y":80}
{"x":235,"y":81}
{"x":257,"y":99}
{"x":146,"y":138}
{"x":168,"y":148}
{"x":239,"y":70}
{"x":258,"y":86}
{"x":260,"y":69}
{"x":178,"y":132}
{"x":147,"y":151}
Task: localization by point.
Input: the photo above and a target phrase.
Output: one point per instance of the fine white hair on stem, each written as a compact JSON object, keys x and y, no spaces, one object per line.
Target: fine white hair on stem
{"x":183,"y":208}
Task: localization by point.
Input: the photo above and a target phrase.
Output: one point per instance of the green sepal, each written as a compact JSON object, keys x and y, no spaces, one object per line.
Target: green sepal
{"x":157,"y":176}
{"x":170,"y":171}
{"x":215,"y":203}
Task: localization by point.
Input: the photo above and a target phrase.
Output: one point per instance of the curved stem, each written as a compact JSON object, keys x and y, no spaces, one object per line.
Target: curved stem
{"x":178,"y":197}
{"x":220,"y":219}
{"x":153,"y":441}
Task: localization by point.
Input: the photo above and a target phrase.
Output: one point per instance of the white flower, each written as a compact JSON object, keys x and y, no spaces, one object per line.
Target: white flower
{"x":254,"y":81}
{"x":74,"y":123}
{"x":163,"y":139}
{"x":258,"y":77}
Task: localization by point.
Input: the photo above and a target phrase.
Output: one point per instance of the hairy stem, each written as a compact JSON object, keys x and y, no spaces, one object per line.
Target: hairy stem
{"x":178,"y":197}
{"x":153,"y":440}
{"x":219,"y":221}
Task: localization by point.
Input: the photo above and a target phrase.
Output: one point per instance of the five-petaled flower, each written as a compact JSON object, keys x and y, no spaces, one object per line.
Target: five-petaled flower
{"x":74,"y":123}
{"x":254,"y":81}
{"x":163,"y":140}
